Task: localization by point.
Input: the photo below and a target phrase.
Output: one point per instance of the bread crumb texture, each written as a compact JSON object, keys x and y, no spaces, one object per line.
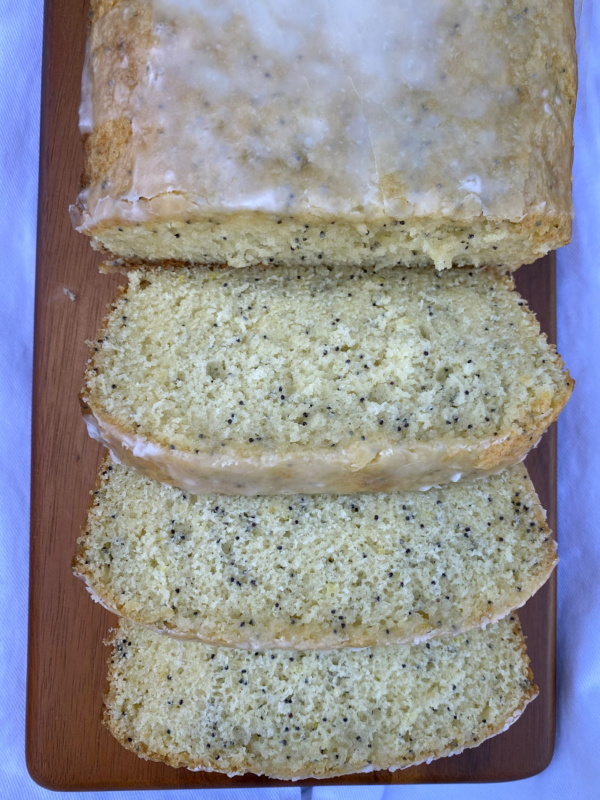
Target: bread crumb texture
{"x":250,"y":239}
{"x":310,"y":714}
{"x":403,"y":133}
{"x":349,"y":366}
{"x":315,"y":571}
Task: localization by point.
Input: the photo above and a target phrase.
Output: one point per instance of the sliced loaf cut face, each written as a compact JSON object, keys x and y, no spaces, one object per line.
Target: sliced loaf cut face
{"x":314,"y":571}
{"x":327,"y":380}
{"x":311,"y":714}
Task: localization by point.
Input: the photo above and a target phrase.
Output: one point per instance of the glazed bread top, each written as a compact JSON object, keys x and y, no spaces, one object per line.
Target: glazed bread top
{"x":406,"y":121}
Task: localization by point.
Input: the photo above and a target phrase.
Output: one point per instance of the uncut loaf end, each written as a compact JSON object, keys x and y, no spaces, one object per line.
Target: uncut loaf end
{"x":327,"y":380}
{"x":400,"y":133}
{"x":309,"y":714}
{"x":314,"y":571}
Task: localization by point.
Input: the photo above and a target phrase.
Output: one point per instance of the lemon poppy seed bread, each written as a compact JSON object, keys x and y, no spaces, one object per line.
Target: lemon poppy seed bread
{"x":308,"y":714}
{"x":326,"y":380}
{"x":315,"y":571}
{"x":360,"y":133}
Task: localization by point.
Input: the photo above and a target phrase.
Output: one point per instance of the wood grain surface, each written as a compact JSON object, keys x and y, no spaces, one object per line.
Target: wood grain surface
{"x":67,"y":747}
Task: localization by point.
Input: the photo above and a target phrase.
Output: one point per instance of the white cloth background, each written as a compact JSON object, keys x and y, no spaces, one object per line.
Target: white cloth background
{"x":575,"y":770}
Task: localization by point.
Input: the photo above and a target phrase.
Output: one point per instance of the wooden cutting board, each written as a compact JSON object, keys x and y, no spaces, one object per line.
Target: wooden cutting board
{"x":67,"y":748}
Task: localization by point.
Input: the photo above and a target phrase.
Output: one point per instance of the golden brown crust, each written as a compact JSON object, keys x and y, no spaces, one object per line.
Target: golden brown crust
{"x":104,"y":147}
{"x":98,"y":8}
{"x":107,"y":148}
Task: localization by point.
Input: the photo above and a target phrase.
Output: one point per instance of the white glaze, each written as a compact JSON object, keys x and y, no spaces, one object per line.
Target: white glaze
{"x":348,"y":109}
{"x":93,"y":428}
{"x":86,"y":120}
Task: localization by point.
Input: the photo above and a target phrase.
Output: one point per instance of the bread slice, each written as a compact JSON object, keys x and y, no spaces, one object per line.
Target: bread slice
{"x":309,"y":714}
{"x":412,"y":133}
{"x":327,"y":380}
{"x":320,"y":571}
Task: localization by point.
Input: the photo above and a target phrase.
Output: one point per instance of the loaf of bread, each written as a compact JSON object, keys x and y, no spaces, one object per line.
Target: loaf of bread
{"x":320,"y":571}
{"x":363,"y":133}
{"x":308,"y":714}
{"x":325,"y":380}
